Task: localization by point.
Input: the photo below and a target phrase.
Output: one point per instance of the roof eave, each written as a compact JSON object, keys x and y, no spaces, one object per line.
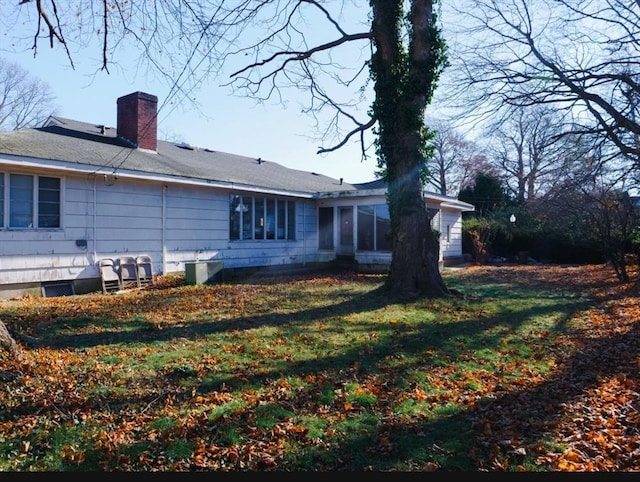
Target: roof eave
{"x":87,"y":169}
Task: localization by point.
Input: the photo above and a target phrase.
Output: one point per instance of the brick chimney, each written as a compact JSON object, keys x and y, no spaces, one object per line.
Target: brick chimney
{"x":138,"y":119}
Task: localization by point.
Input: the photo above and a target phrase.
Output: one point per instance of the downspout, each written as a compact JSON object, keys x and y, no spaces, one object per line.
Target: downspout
{"x":163,"y":222}
{"x":304,"y":226}
{"x":95,"y":209}
{"x":440,"y":242}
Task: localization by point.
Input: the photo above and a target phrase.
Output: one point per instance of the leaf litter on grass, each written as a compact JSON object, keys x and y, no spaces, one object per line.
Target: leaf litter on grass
{"x":537,"y":370}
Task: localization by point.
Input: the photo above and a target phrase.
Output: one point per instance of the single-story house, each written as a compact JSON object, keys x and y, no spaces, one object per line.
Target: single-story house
{"x":73,"y":193}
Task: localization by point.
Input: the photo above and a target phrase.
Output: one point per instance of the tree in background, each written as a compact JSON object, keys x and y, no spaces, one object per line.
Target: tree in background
{"x":580,"y":56}
{"x":455,"y":162}
{"x":591,"y":220}
{"x":581,"y":59}
{"x":488,"y":221}
{"x":270,"y":46}
{"x":530,"y":151}
{"x":487,"y":194}
{"x":24,"y":100}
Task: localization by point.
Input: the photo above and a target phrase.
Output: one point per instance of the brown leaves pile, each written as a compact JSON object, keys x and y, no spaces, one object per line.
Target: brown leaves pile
{"x":595,"y":396}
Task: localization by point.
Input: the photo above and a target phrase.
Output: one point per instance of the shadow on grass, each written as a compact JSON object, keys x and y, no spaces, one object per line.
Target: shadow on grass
{"x":469,"y":438}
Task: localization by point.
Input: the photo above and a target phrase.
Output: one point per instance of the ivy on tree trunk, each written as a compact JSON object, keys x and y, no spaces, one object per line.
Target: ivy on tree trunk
{"x":404,"y":80}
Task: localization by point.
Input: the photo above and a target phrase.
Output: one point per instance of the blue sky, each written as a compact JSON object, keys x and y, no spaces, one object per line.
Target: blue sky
{"x":223,"y":122}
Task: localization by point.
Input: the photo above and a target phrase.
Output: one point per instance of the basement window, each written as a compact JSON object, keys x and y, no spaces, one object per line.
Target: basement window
{"x":57,"y":288}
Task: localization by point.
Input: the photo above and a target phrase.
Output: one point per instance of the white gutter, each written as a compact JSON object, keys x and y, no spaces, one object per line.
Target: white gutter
{"x":461,"y":205}
{"x":353,"y":193}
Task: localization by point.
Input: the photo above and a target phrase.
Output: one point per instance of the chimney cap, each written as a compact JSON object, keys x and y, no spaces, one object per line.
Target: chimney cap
{"x":142,"y":95}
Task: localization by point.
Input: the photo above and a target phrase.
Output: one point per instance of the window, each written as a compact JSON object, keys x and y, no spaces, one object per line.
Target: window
{"x":374,"y":228}
{"x":247,"y":217}
{"x":270,"y":219}
{"x":30,"y":201}
{"x":282,"y":220}
{"x":258,"y":227}
{"x":291,"y":220}
{"x":261,"y":218}
{"x":48,"y":202}
{"x":20,"y":201}
{"x":325,"y":221}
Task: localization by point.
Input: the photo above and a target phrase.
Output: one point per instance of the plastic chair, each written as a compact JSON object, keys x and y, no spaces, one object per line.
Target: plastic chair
{"x":145,"y":270}
{"x":110,"y":276}
{"x":128,"y":272}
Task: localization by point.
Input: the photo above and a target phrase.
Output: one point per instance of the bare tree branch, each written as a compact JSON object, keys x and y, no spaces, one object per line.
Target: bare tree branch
{"x":55,"y":31}
{"x":578,"y":55}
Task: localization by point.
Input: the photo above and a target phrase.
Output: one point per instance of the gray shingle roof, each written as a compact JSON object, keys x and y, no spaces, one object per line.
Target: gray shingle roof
{"x":72,"y":141}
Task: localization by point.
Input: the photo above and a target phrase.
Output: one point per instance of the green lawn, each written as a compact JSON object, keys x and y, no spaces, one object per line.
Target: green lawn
{"x":324,"y":373}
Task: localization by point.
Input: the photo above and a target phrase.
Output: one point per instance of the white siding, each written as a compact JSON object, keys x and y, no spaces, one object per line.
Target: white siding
{"x":33,"y":255}
{"x":171,"y":223}
{"x":451,"y":221}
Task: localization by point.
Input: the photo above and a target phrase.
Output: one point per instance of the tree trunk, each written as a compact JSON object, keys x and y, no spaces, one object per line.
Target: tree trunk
{"x":414,"y":270}
{"x":7,"y":342}
{"x":404,"y":84}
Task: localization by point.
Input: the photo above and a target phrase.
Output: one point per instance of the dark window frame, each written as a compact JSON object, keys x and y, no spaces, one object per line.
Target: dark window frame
{"x":261,"y":218}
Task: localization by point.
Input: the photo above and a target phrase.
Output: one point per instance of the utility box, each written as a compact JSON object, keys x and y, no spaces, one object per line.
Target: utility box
{"x":200,"y":272}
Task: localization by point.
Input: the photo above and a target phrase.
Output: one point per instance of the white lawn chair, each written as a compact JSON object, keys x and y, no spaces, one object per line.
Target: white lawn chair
{"x":145,"y":270}
{"x":109,"y":275}
{"x":128,"y":272}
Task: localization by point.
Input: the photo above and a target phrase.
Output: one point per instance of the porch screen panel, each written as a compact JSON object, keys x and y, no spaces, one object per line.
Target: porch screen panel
{"x":434,"y":217}
{"x":383,"y":228}
{"x":366,"y":217}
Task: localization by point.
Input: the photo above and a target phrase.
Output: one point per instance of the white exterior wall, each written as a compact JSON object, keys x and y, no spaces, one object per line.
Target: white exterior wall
{"x":171,"y":223}
{"x":451,"y":222}
{"x":127,"y":220}
{"x":34,"y":255}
